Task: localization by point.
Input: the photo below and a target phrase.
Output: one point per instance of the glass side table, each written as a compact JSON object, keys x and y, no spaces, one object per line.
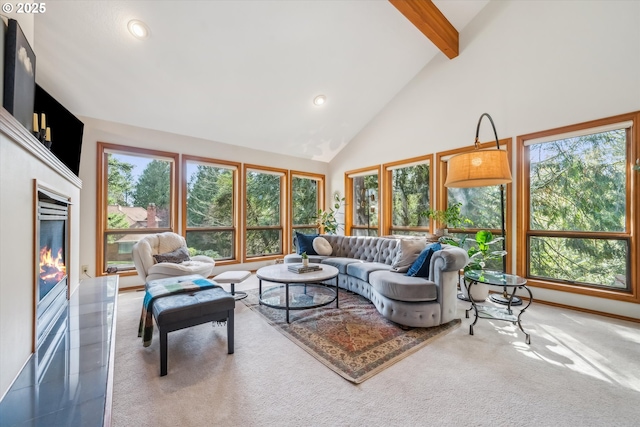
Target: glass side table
{"x":502,"y":280}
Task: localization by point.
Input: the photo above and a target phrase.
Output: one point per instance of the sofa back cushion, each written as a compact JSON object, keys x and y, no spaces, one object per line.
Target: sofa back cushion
{"x":304,"y":243}
{"x":371,"y":249}
{"x":407,"y":252}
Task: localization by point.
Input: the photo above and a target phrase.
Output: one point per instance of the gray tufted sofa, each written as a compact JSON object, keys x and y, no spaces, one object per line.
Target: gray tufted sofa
{"x":365,"y":267}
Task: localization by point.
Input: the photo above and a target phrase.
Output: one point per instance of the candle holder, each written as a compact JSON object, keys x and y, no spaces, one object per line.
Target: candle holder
{"x":41,"y":136}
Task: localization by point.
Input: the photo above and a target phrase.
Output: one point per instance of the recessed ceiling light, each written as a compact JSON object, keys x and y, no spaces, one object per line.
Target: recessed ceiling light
{"x":319,"y":100}
{"x":138,"y":28}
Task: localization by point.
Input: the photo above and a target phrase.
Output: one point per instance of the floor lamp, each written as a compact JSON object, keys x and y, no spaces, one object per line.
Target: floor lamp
{"x":483,"y":168}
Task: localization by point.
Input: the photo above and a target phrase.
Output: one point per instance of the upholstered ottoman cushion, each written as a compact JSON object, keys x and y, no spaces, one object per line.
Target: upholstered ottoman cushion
{"x":181,"y":307}
{"x":397,"y":286}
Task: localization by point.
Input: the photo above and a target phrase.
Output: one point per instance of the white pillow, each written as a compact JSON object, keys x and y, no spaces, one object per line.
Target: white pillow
{"x":322,"y":246}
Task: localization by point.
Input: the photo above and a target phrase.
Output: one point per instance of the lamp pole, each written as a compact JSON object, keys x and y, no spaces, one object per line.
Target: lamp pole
{"x":504,"y":232}
{"x":504,"y":298}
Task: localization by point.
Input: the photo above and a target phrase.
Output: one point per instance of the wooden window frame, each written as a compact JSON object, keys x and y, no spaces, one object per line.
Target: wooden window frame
{"x":348,"y":186}
{"x":441,"y":200}
{"x":387,"y":192}
{"x":632,"y":213}
{"x":102,"y":203}
{"x":284,"y":210}
{"x":320,"y":179}
{"x":236,"y":199}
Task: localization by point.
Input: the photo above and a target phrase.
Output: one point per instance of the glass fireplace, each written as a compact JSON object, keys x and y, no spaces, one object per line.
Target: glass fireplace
{"x":51,"y":258}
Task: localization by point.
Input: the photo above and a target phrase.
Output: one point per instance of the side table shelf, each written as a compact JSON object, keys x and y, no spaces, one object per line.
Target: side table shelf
{"x":504,"y":281}
{"x":498,"y":313}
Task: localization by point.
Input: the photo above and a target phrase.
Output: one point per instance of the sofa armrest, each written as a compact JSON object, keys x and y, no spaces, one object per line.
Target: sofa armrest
{"x":449,"y":258}
{"x":443,"y":270}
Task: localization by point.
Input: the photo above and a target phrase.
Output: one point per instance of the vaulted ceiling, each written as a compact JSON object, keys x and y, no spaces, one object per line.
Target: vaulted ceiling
{"x":240,"y":72}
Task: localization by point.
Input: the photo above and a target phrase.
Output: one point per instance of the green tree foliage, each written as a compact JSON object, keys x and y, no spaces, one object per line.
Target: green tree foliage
{"x":210,"y":197}
{"x":263,"y":209}
{"x":365,"y":212}
{"x":481,"y":205}
{"x":116,"y":220}
{"x":119,"y":181}
{"x":305,"y":200}
{"x":154,"y":186}
{"x":210,"y":204}
{"x":411,"y":196}
{"x":579,"y":184}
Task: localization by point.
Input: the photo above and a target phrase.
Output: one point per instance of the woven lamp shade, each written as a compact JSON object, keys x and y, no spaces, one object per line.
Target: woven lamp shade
{"x":478,"y":168}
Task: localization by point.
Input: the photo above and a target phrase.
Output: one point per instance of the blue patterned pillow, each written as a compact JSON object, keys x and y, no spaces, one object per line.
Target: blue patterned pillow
{"x":420,"y":267}
{"x":305,"y":243}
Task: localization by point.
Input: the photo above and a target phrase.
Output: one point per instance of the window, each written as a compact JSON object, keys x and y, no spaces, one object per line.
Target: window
{"x":480,"y":204}
{"x":264,"y":212}
{"x":408,"y":196}
{"x":136,"y":198}
{"x":210,"y":217}
{"x":576,"y":205}
{"x":362,"y":202}
{"x":307,"y":196}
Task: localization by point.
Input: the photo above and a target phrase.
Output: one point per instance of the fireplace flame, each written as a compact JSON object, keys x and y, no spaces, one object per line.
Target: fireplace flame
{"x":52,"y":270}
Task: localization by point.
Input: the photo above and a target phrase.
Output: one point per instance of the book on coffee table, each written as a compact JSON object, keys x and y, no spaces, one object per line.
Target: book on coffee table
{"x":300,"y":268}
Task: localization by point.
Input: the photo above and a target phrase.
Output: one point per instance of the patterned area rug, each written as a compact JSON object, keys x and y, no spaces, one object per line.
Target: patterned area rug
{"x":355,"y":340}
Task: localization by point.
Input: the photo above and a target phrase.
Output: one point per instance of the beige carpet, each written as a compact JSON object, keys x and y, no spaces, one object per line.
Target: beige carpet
{"x":354,"y":341}
{"x":580,"y":370}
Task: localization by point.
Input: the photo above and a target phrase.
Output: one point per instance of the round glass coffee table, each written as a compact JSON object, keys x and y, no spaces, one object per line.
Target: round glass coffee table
{"x":298,"y":291}
{"x":503,"y":280}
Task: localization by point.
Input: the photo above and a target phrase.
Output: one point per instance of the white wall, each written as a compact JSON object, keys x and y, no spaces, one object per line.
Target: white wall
{"x":103,"y":131}
{"x":532,"y":66}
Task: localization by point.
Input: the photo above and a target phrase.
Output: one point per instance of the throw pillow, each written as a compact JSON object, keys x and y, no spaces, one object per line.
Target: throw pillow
{"x":305,"y":243}
{"x":408,"y":252}
{"x":176,"y":257}
{"x":420,"y":267}
{"x":322,"y":246}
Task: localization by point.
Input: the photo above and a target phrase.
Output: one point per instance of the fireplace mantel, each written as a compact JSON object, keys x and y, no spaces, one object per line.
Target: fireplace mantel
{"x":14,"y":130}
{"x":23,"y":161}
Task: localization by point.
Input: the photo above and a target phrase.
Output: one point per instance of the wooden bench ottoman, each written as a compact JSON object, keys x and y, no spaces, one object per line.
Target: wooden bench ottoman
{"x":184,"y":310}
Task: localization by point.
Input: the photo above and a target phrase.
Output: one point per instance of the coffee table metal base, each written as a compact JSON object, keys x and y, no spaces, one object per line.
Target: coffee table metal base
{"x":316,"y":291}
{"x":298,"y":296}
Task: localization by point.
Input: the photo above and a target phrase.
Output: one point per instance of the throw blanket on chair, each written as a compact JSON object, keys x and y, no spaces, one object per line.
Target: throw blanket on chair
{"x":145,"y":329}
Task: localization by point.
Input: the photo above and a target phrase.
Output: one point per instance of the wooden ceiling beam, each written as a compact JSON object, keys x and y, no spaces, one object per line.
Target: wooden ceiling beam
{"x":432,"y":23}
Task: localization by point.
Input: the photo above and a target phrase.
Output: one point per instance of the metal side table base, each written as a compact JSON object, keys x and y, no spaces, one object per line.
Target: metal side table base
{"x":504,"y":299}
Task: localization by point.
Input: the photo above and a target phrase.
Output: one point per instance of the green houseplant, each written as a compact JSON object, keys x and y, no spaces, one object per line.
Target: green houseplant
{"x":326,"y":219}
{"x":305,"y":259}
{"x":449,"y":218}
{"x":479,"y":254}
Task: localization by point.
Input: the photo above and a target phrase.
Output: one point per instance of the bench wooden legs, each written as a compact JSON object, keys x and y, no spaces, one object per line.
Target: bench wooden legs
{"x":165,"y":329}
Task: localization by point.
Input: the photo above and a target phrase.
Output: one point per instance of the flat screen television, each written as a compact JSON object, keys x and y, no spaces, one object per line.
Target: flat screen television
{"x":66,"y":129}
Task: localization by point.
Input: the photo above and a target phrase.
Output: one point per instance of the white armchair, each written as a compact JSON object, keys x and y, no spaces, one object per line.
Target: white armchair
{"x":164,"y":243}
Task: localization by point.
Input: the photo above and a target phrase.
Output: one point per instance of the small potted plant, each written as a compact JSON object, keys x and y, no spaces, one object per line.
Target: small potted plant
{"x":305,"y":259}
